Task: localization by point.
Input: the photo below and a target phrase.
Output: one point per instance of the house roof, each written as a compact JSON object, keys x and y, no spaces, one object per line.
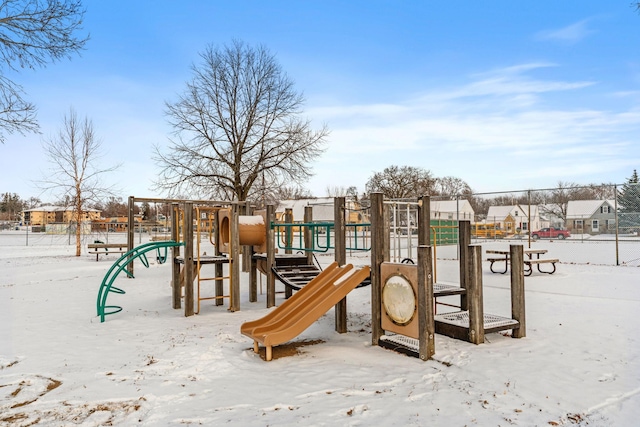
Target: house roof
{"x":451,"y":206}
{"x":499,"y":212}
{"x":584,"y":208}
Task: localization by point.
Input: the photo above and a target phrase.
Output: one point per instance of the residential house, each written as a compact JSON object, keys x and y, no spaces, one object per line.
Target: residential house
{"x":44,"y":215}
{"x":515,"y":218}
{"x":591,"y":216}
{"x":452,"y":210}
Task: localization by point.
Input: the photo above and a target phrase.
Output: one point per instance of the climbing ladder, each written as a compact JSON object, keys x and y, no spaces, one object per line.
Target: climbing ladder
{"x":120,"y":265}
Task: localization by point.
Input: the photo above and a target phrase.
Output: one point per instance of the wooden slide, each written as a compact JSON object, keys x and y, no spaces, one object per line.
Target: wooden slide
{"x":305,"y":307}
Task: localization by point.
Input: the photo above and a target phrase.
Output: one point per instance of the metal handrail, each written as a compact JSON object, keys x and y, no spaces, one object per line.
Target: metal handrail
{"x":318,"y":230}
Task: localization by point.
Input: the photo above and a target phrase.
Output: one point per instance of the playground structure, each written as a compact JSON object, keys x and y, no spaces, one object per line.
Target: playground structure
{"x":229,"y":232}
{"x":403,"y":295}
{"x":186,"y":267}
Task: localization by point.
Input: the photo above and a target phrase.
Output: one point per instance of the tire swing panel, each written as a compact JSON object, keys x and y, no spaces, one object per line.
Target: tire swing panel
{"x":399,"y":298}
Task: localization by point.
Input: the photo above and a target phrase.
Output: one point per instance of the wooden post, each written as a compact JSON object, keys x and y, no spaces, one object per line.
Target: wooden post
{"x":271,"y":257}
{"x":464,"y":240}
{"x":288,"y":232}
{"x":341,"y":258}
{"x":188,"y":259}
{"x":234,"y":267}
{"x":288,"y":218}
{"x":308,"y":233}
{"x":386,"y":224}
{"x":426,"y":322}
{"x":176,"y":288}
{"x":424,"y":221}
{"x":377,"y":258}
{"x":245,"y":209}
{"x":219,"y":267}
{"x":516,"y":252}
{"x":474,"y":293}
{"x":130,"y":230}
{"x":253,"y":272}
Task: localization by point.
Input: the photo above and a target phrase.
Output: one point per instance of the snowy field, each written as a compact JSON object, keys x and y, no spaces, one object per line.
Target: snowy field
{"x":149,"y":365}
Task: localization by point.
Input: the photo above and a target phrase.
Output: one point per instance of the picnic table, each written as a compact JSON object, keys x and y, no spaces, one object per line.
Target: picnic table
{"x":529,"y":260}
{"x":106,"y":248}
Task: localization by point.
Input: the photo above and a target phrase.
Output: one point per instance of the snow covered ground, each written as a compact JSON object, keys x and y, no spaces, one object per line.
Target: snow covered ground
{"x":149,"y":365}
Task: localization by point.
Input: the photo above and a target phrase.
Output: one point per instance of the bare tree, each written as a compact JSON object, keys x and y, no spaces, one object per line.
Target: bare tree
{"x":237,"y":124}
{"x":76,"y":172}
{"x":450,"y":186}
{"x":402,"y":182}
{"x":33,"y":33}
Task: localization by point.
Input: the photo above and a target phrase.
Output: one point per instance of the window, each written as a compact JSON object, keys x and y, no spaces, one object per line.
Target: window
{"x":525,"y":226}
{"x":605,"y":209}
{"x":611,"y":224}
{"x":578,"y":223}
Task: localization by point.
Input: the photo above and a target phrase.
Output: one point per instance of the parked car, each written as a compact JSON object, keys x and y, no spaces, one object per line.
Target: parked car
{"x":550,"y":233}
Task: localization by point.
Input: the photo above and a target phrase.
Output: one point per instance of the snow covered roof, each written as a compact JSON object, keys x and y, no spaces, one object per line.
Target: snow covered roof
{"x":451,"y":206}
{"x":584,"y":208}
{"x":499,"y":212}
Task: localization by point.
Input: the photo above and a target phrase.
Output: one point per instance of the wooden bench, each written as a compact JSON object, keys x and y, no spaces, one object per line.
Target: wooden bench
{"x":106,"y":248}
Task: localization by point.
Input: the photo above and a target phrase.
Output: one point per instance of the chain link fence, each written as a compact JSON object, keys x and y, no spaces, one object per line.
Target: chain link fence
{"x":584,"y":225}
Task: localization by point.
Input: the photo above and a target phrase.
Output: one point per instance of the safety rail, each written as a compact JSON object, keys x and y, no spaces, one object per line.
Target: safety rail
{"x":321,"y":232}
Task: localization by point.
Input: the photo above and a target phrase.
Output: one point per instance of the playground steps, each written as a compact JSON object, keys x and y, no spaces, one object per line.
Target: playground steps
{"x":456,"y":324}
{"x":296,"y":276}
{"x":444,"y":290}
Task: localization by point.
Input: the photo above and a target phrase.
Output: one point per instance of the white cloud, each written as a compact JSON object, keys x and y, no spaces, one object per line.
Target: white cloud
{"x":501,"y":123}
{"x":571,"y":34}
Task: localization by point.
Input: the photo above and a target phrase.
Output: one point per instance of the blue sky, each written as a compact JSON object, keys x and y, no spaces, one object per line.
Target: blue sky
{"x":506,"y":95}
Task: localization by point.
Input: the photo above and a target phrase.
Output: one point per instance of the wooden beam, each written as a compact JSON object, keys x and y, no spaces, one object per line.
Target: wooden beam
{"x":474,"y":291}
{"x":426,"y":322}
{"x":516,"y":252}
{"x":235,"y":258}
{"x":288,"y":218}
{"x":341,"y":258}
{"x":176,"y":288}
{"x":464,"y":240}
{"x":377,"y":258}
{"x":271,"y":257}
{"x":308,"y":233}
{"x":187,"y":232}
